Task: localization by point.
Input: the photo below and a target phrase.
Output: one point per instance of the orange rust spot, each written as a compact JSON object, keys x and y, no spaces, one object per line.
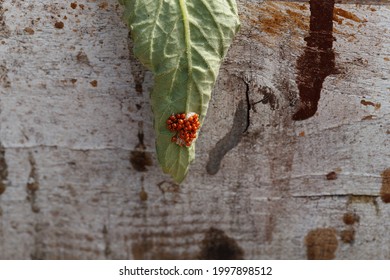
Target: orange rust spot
{"x":331,"y":176}
{"x":29,"y":30}
{"x":351,"y":37}
{"x":302,"y":134}
{"x":351,"y":218}
{"x":94,"y":83}
{"x":321,"y":244}
{"x":73,"y":5}
{"x":348,"y":235}
{"x":32,"y":185}
{"x":143,"y":195}
{"x":275,"y":19}
{"x":370,"y":103}
{"x":296,"y":6}
{"x":386,"y":58}
{"x":59,"y":25}
{"x":367,"y":199}
{"x":385,"y":190}
{"x":103,"y":5}
{"x":368,"y":118}
{"x":337,"y":19}
{"x":346,"y":14}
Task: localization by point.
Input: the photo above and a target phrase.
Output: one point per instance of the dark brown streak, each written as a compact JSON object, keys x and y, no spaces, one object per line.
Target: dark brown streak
{"x":317,"y":61}
{"x":248,"y":107}
{"x":3,"y":170}
{"x":140,"y":159}
{"x":137,"y":70}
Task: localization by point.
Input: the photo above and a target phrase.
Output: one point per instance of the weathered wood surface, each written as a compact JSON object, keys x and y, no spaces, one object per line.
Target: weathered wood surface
{"x":274,"y":176}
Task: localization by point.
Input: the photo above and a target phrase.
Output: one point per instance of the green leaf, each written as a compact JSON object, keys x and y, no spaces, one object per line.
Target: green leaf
{"x":183,"y":42}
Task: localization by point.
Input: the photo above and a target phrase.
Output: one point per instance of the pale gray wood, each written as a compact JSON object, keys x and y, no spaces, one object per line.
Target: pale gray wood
{"x":77,"y":162}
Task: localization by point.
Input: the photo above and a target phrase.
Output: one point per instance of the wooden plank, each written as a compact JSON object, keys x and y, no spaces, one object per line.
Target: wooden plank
{"x":79,"y":177}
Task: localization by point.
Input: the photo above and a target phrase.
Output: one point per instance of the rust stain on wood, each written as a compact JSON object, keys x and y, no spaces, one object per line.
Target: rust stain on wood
{"x":32,"y":184}
{"x":139,"y":158}
{"x":143,"y":195}
{"x":276,"y":18}
{"x":348,"y":235}
{"x":321,"y":244}
{"x":337,"y":19}
{"x":29,"y":30}
{"x":367,"y":199}
{"x":83,"y":58}
{"x":158,"y":245}
{"x":59,"y":25}
{"x":351,"y":218}
{"x":4,"y":79}
{"x":4,"y":30}
{"x":138,"y":71}
{"x":385,"y":189}
{"x":331,"y":176}
{"x":103,"y":6}
{"x":377,"y":106}
{"x":369,"y":118}
{"x":94,"y":83}
{"x":318,"y":59}
{"x":216,"y":245}
{"x":346,"y":14}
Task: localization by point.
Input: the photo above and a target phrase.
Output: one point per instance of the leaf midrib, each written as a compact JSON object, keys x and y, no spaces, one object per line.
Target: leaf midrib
{"x":187,"y":36}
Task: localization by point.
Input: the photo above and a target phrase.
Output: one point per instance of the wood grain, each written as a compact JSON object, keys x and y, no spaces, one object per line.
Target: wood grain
{"x":79,"y":177}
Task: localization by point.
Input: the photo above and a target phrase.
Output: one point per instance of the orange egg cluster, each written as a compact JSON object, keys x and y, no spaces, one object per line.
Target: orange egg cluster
{"x":185,"y":126}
